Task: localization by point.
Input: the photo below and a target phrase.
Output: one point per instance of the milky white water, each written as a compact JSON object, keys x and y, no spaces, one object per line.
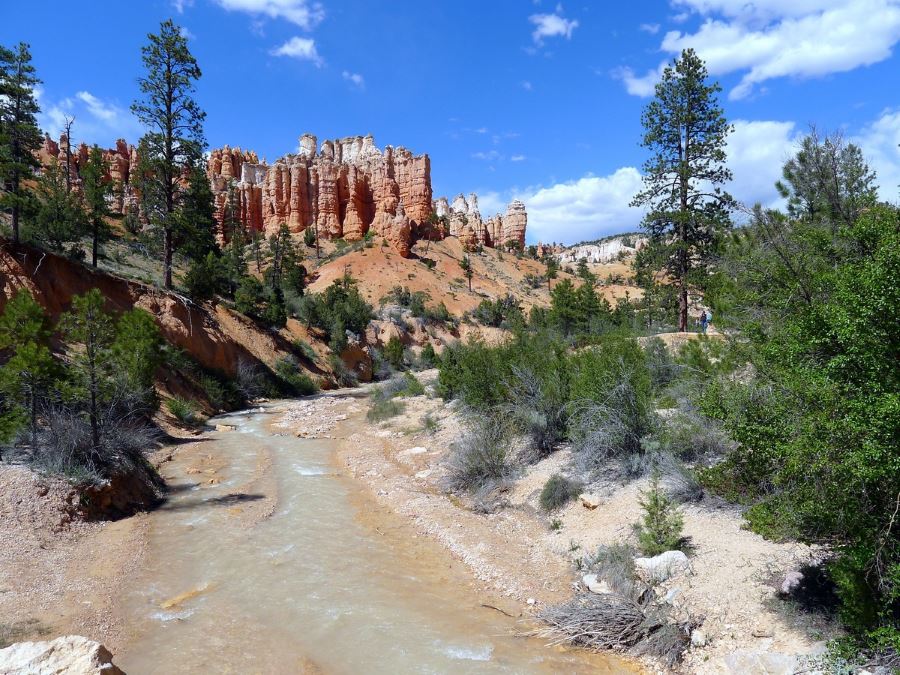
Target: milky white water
{"x":310,"y":588}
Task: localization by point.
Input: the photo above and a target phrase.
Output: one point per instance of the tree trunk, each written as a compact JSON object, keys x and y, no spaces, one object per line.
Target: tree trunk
{"x":15,"y":206}
{"x":682,"y":307}
{"x":168,"y":258}
{"x":95,"y":245}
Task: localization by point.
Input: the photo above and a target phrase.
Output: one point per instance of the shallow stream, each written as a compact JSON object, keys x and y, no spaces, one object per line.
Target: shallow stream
{"x":263,"y":561}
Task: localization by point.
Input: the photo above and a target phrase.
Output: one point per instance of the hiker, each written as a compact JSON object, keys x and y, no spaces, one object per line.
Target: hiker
{"x":704,"y":321}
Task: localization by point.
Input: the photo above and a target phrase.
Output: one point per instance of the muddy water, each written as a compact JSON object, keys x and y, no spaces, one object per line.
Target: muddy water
{"x":262,"y":562}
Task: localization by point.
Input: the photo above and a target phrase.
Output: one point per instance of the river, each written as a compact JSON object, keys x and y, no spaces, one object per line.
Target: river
{"x":263,"y":561}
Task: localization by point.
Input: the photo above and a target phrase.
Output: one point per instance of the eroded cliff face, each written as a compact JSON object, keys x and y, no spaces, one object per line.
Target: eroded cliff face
{"x":344,"y":188}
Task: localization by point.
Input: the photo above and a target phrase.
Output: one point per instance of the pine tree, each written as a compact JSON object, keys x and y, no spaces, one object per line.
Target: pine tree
{"x":30,"y":370}
{"x":59,"y":219}
{"x":466,"y":265}
{"x":686,"y":131}
{"x":196,"y":222}
{"x":660,"y":528}
{"x":552,"y":270}
{"x":89,"y":332}
{"x":174,"y":139}
{"x":97,"y":191}
{"x":19,"y":133}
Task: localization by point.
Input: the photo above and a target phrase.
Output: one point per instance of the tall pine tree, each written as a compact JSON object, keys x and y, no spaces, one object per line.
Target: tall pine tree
{"x":96,"y":191}
{"x":19,"y":133}
{"x":686,"y":131}
{"x":174,"y":139}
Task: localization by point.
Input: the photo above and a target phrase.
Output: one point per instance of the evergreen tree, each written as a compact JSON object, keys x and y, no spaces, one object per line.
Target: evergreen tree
{"x":89,"y":333}
{"x":660,"y":528}
{"x":196,"y":223}
{"x":686,"y":131}
{"x":29,"y":372}
{"x":564,"y":307}
{"x":552,"y":270}
{"x":19,"y":133}
{"x":174,"y":139}
{"x":466,"y":266}
{"x":136,"y":353}
{"x":59,"y":219}
{"x":828,"y":181}
{"x":97,"y":191}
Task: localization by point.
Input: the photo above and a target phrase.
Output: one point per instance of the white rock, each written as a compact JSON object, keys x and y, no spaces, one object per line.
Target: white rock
{"x":743,"y":661}
{"x":662,"y":567}
{"x":589,"y":500}
{"x":68,"y":654}
{"x":791,"y":581}
{"x":595,"y":585}
{"x":413,"y":451}
{"x":698,"y":638}
{"x":424,"y":473}
{"x":225,"y":427}
{"x":531,"y":601}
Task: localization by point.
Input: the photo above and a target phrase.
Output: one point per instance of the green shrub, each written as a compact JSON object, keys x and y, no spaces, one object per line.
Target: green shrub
{"x":558,"y":491}
{"x":183,"y":410}
{"x":384,"y":409}
{"x":309,"y":237}
{"x":342,"y":374}
{"x":293,"y":378}
{"x":305,"y":349}
{"x":393,"y":352}
{"x":339,"y":309}
{"x":660,"y":528}
{"x":428,"y":356}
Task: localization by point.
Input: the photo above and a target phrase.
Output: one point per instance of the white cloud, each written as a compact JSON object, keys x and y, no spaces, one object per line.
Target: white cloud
{"x":652,"y":28}
{"x":517,"y":158}
{"x":96,"y":120}
{"x":181,"y":5}
{"x":299,"y":48}
{"x":639,"y":85}
{"x":186,"y":33}
{"x":302,"y":13}
{"x":489,"y":156}
{"x":551,"y":25}
{"x":879,"y":142}
{"x":768,"y":39}
{"x":583,"y":209}
{"x":526,"y":85}
{"x":355,"y":78}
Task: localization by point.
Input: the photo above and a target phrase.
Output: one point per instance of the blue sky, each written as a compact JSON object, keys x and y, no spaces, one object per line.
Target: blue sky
{"x":511,"y":98}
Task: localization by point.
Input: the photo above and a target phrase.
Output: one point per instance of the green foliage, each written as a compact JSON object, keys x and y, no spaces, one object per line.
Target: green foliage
{"x":195,"y":224}
{"x":97,"y":191}
{"x":393,"y":352}
{"x":558,"y":491}
{"x":428,"y":356}
{"x":60,"y":221}
{"x":482,"y":457}
{"x":340,"y":308}
{"x":660,"y":527}
{"x":136,"y":351}
{"x":686,"y":131}
{"x":184,"y":410}
{"x":174,"y":138}
{"x":309,"y":237}
{"x":297,"y":382}
{"x":20,"y":136}
{"x":306,"y":350}
{"x":206,"y":278}
{"x":816,"y":422}
{"x":466,"y":266}
{"x":504,"y":311}
{"x":384,"y":409}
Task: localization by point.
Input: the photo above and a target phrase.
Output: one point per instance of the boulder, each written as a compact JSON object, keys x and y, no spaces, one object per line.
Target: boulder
{"x":791,"y":582}
{"x":595,"y":585}
{"x":225,"y":427}
{"x":589,"y":500}
{"x":661,"y":567}
{"x":71,"y":654}
{"x":698,"y":638}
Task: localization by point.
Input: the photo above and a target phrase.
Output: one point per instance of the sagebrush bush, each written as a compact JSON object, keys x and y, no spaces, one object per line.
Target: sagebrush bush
{"x":483,"y":455}
{"x":384,"y":409}
{"x":558,"y":491}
